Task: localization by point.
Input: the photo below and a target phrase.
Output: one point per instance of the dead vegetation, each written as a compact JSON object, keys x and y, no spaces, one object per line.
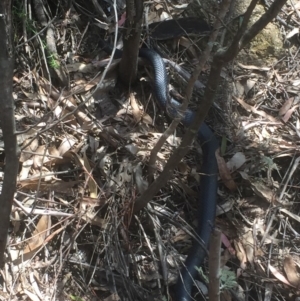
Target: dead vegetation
{"x":85,"y":145}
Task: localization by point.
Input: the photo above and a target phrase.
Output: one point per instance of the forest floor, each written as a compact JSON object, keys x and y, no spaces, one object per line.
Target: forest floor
{"x":86,"y":141}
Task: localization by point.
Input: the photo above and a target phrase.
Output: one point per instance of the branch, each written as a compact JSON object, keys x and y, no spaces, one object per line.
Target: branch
{"x":214,"y":265}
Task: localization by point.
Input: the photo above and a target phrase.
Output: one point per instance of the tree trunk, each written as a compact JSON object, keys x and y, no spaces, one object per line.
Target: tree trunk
{"x":7,"y":121}
{"x":129,"y":61}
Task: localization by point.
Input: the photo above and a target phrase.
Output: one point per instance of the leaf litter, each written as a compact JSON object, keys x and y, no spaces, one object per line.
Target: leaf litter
{"x":83,"y":163}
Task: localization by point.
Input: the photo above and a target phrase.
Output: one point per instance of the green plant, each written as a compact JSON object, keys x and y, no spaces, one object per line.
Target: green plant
{"x":75,"y":298}
{"x":227,"y":278}
{"x":53,"y":62}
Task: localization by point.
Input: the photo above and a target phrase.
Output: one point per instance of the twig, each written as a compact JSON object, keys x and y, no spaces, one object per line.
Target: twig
{"x":214,"y":265}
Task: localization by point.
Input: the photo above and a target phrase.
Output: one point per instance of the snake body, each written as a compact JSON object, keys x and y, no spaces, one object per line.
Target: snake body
{"x":209,"y":170}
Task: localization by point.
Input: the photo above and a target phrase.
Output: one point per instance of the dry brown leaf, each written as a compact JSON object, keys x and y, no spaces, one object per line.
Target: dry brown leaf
{"x":91,"y":217}
{"x":183,"y":41}
{"x":224,"y":172}
{"x":26,"y":167}
{"x":136,"y":111}
{"x":84,"y":163}
{"x":279,"y":276}
{"x":38,"y":235}
{"x":264,"y":192}
{"x":248,"y":244}
{"x":53,"y":151}
{"x":147,"y":119}
{"x":180,"y":235}
{"x":66,"y":145}
{"x":252,"y":109}
{"x":23,"y":138}
{"x":289,"y":113}
{"x":41,"y":156}
{"x":286,"y":106}
{"x":240,"y":254}
{"x":93,"y":187}
{"x":291,"y":271}
{"x":249,"y":85}
{"x":28,"y":150}
{"x":81,"y":67}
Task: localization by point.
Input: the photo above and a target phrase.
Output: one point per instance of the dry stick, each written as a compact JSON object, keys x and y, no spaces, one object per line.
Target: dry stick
{"x":222,"y":56}
{"x":7,"y":123}
{"x":189,"y":91}
{"x":163,"y":138}
{"x":214,"y":265}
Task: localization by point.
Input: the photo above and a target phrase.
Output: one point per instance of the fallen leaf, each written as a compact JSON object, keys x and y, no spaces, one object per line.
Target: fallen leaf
{"x":286,"y":106}
{"x":183,"y":41}
{"x":66,"y":145}
{"x":28,"y":151}
{"x":237,"y":160}
{"x":38,"y":235}
{"x":136,"y":111}
{"x":294,"y":31}
{"x":40,"y":156}
{"x":250,"y":83}
{"x":289,"y":113}
{"x":224,"y":172}
{"x":84,"y":163}
{"x":291,"y":271}
{"x":252,"y":109}
{"x":279,"y":276}
{"x":26,"y":167}
{"x":82,"y":67}
{"x":240,"y":254}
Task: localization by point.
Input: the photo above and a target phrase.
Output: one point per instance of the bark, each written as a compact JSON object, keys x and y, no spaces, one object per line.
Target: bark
{"x":7,"y":120}
{"x":129,"y":61}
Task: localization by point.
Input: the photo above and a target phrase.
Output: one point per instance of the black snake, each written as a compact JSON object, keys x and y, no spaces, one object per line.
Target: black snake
{"x":209,"y":169}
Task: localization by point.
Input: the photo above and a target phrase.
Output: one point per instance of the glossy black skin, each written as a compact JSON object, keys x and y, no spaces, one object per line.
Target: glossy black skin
{"x":209,"y":173}
{"x":175,"y":28}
